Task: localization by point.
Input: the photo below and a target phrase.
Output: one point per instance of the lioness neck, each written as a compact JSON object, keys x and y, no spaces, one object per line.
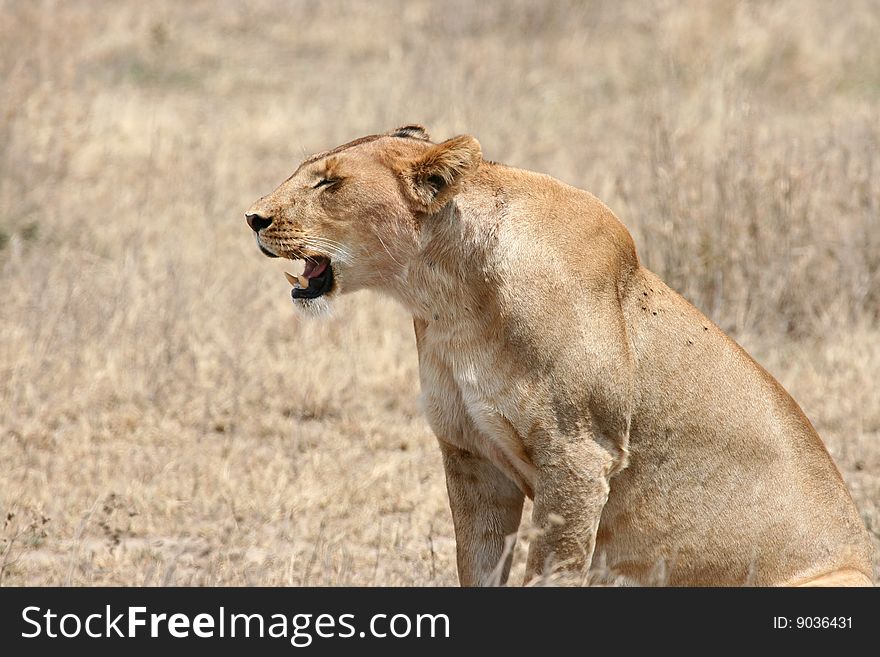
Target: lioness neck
{"x":496,"y":239}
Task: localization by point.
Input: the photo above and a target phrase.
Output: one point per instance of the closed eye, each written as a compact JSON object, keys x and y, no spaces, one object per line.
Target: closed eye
{"x":324,"y":182}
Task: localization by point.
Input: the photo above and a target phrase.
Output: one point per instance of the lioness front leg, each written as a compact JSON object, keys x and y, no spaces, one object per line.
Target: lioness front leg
{"x":486,"y":509}
{"x":571,"y":489}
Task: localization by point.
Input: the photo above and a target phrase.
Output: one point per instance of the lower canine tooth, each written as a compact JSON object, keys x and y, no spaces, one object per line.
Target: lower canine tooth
{"x":303,"y":281}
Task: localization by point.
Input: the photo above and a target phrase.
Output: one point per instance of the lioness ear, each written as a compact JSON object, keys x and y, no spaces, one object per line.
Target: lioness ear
{"x":412,"y":131}
{"x":435,"y":176}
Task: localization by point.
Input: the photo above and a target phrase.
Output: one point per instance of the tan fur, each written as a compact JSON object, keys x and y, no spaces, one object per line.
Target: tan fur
{"x":554,"y":366}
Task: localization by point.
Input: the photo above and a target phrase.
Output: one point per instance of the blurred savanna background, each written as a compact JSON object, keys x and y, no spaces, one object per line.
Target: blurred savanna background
{"x":164,"y":416}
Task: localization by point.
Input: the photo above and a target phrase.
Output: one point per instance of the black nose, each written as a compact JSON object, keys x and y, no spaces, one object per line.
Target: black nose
{"x":258,"y":222}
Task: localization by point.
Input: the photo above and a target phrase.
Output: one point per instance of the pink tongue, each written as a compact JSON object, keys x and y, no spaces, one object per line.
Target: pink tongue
{"x":314,"y":269}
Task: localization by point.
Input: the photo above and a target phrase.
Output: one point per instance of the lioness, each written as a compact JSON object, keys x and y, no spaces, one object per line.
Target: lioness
{"x":554,"y":366}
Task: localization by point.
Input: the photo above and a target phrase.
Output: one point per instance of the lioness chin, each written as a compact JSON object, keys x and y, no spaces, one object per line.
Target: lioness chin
{"x":554,"y":366}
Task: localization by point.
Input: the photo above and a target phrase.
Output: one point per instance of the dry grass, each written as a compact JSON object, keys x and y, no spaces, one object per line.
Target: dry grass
{"x":166,"y":419}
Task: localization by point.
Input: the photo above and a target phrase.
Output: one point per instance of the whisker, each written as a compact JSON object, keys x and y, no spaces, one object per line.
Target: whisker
{"x":328,"y":244}
{"x":333,"y":249}
{"x":388,"y":251}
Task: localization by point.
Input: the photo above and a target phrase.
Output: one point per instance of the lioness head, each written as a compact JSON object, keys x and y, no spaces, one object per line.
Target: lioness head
{"x":354,"y":213}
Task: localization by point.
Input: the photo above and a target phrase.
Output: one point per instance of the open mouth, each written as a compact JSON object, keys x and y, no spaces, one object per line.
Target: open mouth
{"x":315,"y":281}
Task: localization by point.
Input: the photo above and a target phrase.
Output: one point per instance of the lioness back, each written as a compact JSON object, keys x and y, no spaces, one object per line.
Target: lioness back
{"x":713,"y":430}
